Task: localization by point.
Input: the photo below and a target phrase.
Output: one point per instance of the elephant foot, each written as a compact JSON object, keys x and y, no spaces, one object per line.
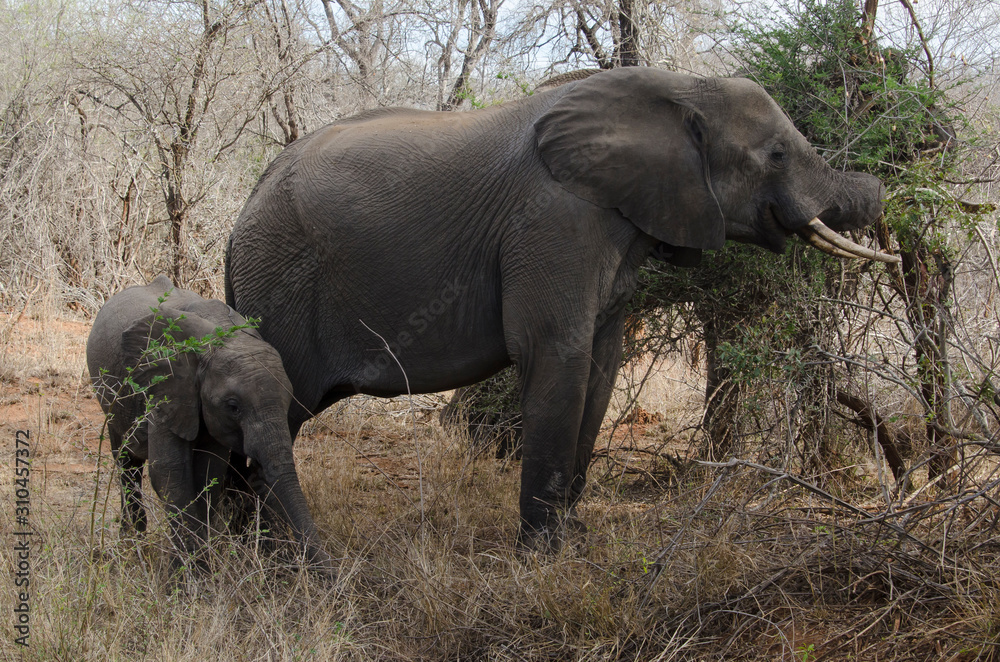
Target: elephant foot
{"x":131,"y":531}
{"x":319,"y":561}
{"x":132,"y":521}
{"x":184,"y":575}
{"x":242,"y":512}
{"x":558,"y":532}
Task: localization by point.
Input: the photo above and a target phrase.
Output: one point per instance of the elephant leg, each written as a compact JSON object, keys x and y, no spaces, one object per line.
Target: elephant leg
{"x":606,"y":360}
{"x":171,"y":471}
{"x":130,"y":477}
{"x":211,"y":464}
{"x":553,"y":397}
{"x":240,"y":494}
{"x":133,"y":512}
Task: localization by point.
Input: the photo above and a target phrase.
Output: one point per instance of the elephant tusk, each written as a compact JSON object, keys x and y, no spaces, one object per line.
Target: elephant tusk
{"x":821,"y":244}
{"x":828,"y":241}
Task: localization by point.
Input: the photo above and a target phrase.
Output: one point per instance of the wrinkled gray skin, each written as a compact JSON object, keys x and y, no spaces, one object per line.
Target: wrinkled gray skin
{"x":230,"y":398}
{"x":513,"y":234}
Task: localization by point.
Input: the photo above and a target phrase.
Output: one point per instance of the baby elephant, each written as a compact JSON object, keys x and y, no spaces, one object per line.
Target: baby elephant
{"x":187,"y":383}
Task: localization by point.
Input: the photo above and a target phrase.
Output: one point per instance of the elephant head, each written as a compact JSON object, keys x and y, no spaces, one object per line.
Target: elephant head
{"x":696,"y":161}
{"x":229,"y":395}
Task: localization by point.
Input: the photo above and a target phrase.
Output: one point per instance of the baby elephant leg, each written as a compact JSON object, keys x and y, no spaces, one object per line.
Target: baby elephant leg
{"x":133,"y":518}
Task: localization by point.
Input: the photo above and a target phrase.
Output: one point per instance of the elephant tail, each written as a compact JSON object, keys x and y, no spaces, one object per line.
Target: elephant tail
{"x":230,"y":296}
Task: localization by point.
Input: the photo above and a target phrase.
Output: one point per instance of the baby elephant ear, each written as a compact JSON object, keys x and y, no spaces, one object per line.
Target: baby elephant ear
{"x":171,"y":376}
{"x":239,"y":320}
{"x":630,"y":139}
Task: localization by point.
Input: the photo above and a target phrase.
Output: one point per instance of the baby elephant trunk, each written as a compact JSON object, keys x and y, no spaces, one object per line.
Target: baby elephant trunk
{"x":270,"y":445}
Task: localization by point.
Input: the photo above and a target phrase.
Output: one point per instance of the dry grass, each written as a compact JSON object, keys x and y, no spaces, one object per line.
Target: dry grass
{"x":736,"y":562}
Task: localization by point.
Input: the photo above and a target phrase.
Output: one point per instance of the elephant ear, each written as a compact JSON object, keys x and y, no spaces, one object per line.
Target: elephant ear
{"x":238,"y":320}
{"x":171,"y":375}
{"x":630,"y":140}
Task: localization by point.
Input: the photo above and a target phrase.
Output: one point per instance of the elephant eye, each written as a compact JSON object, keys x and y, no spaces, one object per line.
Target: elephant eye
{"x":778,"y":155}
{"x":231,"y":405}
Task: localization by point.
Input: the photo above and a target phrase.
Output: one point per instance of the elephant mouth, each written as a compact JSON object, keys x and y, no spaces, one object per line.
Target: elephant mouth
{"x":818,"y":235}
{"x":768,"y":231}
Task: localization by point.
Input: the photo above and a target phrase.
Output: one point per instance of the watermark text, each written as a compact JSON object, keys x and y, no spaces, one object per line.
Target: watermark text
{"x":22,"y":537}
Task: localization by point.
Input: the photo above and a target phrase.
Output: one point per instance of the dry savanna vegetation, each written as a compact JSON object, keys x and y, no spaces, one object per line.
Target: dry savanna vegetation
{"x":834,"y":497}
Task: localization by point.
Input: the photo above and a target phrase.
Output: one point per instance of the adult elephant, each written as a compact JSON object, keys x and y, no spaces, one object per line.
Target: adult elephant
{"x":404,"y":250}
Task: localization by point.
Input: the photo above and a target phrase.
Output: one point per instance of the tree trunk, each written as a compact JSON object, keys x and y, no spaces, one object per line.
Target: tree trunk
{"x":174,"y":163}
{"x":926,"y":293}
{"x":722,"y":397}
{"x":628,"y":47}
{"x":870,"y":419}
{"x":474,"y":52}
{"x":924,"y":280}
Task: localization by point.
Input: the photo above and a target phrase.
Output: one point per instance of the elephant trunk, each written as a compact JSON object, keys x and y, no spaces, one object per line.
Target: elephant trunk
{"x":856,"y":204}
{"x":270,"y":445}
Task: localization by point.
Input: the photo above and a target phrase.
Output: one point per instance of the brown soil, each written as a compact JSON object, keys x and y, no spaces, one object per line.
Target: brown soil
{"x":43,"y":391}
